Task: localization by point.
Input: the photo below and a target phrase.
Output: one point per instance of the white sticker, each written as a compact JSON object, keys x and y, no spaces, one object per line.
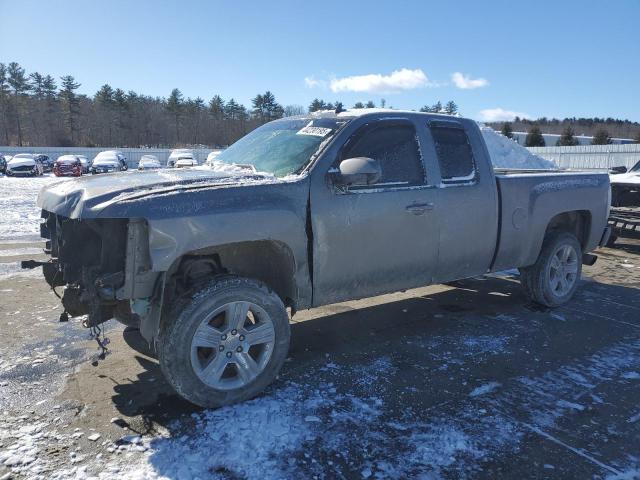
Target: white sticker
{"x":315,"y":131}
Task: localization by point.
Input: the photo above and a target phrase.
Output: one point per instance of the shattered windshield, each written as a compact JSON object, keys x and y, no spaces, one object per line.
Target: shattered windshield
{"x":282,"y":147}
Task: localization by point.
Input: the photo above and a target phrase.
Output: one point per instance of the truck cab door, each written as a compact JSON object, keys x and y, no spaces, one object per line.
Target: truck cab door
{"x":469,"y":195}
{"x":379,"y":238}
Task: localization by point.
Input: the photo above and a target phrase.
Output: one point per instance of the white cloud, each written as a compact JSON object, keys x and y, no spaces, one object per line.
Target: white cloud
{"x":500,"y":115}
{"x":466,"y":82}
{"x":397,"y":81}
{"x":311,"y":82}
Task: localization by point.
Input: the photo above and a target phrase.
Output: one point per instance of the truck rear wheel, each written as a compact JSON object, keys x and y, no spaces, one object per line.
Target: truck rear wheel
{"x":553,"y":279}
{"x":225,"y":342}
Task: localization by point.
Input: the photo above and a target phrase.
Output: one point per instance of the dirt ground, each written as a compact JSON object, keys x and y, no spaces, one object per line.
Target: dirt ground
{"x":467,"y":380}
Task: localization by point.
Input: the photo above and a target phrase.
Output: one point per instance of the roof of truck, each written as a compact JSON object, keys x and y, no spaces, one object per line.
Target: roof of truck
{"x":359,"y":112}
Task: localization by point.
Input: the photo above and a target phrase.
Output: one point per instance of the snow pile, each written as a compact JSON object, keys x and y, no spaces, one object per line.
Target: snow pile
{"x":505,"y":153}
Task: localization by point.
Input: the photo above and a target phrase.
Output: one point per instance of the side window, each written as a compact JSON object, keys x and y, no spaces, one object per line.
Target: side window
{"x":394,"y":146}
{"x":454,"y":154}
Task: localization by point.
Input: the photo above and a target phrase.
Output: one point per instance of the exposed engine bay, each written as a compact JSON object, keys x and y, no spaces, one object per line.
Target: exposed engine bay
{"x":88,"y":259}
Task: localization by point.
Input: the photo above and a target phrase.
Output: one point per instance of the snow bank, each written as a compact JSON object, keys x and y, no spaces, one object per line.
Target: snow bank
{"x":505,"y":153}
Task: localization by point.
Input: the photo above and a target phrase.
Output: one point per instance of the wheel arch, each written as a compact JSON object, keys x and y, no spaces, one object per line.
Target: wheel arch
{"x":270,"y":261}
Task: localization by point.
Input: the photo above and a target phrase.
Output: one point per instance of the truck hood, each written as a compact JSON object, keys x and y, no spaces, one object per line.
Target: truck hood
{"x":87,"y":197}
{"x":626,"y":178}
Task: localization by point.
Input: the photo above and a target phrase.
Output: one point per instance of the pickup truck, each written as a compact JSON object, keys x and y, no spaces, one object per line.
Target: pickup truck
{"x":306,"y":211}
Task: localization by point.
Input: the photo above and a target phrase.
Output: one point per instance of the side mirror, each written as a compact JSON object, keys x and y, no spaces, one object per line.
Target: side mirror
{"x":616,"y":170}
{"x":358,"y":171}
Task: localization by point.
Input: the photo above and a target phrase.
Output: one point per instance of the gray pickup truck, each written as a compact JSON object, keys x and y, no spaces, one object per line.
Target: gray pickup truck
{"x":303,"y":212}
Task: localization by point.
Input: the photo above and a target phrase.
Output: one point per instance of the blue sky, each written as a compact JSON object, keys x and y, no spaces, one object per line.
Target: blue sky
{"x":544,"y":58}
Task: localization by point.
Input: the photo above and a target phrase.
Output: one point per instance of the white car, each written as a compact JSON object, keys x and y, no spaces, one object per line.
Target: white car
{"x":106,"y":162}
{"x":149,"y":162}
{"x":625,"y":187}
{"x":24,"y":165}
{"x":183,"y":161}
{"x":179,"y":152}
{"x":110,"y":155}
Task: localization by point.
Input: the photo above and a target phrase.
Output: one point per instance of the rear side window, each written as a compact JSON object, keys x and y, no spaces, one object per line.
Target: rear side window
{"x":394,"y":146}
{"x":454,"y":154}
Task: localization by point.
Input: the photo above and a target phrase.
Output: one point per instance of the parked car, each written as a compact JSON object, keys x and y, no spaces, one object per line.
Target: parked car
{"x":86,"y":164}
{"x":3,"y":163}
{"x":47,"y":163}
{"x":625,"y":186}
{"x":106,"y":162}
{"x":67,"y":166}
{"x":149,"y":162}
{"x":185,"y":160}
{"x":109,"y":156}
{"x":24,"y":165}
{"x":173,"y":156}
{"x":350,"y":205}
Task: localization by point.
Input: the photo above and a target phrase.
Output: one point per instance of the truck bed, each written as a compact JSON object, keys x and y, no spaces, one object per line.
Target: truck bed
{"x":529,"y":200}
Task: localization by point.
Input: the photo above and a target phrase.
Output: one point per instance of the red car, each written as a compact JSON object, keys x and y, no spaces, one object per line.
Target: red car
{"x":67,"y":166}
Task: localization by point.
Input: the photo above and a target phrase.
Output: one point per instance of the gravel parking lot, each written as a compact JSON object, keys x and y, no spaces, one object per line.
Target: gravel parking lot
{"x":458,"y":381}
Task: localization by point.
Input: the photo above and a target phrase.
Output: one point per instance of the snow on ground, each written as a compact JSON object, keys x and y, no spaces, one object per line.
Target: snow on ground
{"x":21,"y":216}
{"x":505,"y":153}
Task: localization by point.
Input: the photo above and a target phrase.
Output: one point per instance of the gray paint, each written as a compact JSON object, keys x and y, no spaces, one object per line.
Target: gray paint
{"x":363,"y":241}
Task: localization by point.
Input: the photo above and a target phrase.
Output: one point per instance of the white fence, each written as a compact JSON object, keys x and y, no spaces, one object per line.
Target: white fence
{"x":598,"y":157}
{"x":132,"y":154}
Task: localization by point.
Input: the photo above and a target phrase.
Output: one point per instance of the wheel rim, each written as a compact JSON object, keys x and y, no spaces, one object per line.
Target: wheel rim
{"x":233,"y":345}
{"x":563,"y":271}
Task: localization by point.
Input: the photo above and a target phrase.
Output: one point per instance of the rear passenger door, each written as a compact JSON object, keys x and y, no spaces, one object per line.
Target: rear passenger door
{"x":469,"y":199}
{"x":379,"y":238}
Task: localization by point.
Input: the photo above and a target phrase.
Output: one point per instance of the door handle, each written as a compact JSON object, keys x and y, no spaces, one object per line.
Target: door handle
{"x":419,"y":208}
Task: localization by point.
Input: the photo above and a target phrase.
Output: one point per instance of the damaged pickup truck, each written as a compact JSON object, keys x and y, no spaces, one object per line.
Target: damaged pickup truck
{"x":303,"y":212}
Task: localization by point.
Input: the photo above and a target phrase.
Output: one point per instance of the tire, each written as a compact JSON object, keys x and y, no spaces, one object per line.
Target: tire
{"x":196,"y":372}
{"x":550,"y":281}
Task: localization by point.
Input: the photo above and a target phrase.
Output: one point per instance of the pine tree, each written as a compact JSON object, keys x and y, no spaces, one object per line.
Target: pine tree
{"x":339,"y":107}
{"x":601,"y":138}
{"x":71,"y":104}
{"x":266,"y":108}
{"x":174,"y":107}
{"x":4,"y":101}
{"x":370,"y":104}
{"x":20,"y":86}
{"x":216,"y":107}
{"x":567,"y":139}
{"x":534,"y":138}
{"x":507,"y":131}
{"x":451,"y":108}
{"x":358,"y":105}
{"x":317,"y":104}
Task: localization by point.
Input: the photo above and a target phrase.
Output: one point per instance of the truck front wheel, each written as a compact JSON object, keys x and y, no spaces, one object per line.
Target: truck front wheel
{"x":225,"y":342}
{"x":553,"y":279}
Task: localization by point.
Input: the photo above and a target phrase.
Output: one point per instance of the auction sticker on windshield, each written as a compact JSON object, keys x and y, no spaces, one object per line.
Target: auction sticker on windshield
{"x":315,"y":131}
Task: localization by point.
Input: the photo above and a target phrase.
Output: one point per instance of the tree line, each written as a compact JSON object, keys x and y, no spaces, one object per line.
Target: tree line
{"x":40,"y":110}
{"x":601,"y":129}
{"x":535,"y":138}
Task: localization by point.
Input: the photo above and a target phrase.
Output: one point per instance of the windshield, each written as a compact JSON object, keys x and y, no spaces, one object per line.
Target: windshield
{"x":635,"y":168}
{"x":282,"y":147}
{"x":27,"y":156}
